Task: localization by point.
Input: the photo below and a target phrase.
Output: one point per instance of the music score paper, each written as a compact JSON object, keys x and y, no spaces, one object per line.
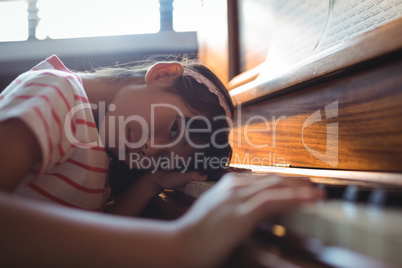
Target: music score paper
{"x":305,"y":29}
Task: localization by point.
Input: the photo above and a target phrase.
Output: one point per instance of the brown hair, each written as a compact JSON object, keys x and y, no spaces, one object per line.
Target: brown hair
{"x":200,"y":99}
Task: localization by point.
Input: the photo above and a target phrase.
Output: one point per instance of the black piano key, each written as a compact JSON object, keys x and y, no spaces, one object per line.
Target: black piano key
{"x":354,"y":193}
{"x":332,"y":191}
{"x":384,"y":197}
{"x":376,"y":196}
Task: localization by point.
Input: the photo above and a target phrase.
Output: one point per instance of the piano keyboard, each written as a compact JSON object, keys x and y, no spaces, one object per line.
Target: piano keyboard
{"x":363,"y":217}
{"x":367,"y":229}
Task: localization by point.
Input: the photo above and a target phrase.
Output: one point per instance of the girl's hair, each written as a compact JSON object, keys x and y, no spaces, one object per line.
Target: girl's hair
{"x":200,"y":100}
{"x":205,"y":103}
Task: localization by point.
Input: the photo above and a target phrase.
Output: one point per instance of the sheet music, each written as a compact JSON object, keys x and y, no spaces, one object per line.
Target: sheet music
{"x":303,"y":28}
{"x":352,"y":18}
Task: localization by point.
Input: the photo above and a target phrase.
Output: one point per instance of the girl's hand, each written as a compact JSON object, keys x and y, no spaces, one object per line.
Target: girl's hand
{"x":133,"y":201}
{"x":225,"y":215}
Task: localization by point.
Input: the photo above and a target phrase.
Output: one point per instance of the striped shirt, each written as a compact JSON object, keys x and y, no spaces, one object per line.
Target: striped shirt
{"x":52,"y":102}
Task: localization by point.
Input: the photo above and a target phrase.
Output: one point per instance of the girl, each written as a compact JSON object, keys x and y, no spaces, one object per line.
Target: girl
{"x":59,"y":131}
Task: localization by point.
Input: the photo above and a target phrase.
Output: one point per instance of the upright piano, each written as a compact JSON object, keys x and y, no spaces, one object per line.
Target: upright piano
{"x":318,"y":92}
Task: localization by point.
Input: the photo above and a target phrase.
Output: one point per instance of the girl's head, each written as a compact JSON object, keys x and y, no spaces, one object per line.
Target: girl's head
{"x":208,"y":130}
{"x":181,"y":115}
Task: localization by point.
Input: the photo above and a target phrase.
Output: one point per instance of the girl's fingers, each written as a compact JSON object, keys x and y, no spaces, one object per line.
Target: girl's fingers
{"x":272,"y":201}
{"x":296,"y":181}
{"x":262,"y":184}
{"x":247,"y":186}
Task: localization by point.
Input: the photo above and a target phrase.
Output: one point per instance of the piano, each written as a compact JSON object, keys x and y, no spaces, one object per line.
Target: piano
{"x":318,"y":92}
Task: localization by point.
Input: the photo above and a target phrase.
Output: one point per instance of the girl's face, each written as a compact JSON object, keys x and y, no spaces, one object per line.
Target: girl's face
{"x":144,"y":124}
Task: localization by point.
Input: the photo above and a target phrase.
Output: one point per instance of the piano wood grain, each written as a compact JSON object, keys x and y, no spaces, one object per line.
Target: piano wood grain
{"x":366,"y":106}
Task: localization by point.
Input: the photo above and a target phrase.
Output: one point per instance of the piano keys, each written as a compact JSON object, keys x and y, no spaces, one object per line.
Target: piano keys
{"x":352,"y":222}
{"x":359,"y":227}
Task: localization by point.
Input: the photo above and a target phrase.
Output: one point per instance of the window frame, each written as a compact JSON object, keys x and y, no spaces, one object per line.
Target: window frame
{"x":165,"y":41}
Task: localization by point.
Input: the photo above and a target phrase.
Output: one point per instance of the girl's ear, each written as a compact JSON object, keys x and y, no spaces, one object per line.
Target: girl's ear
{"x":163,"y":70}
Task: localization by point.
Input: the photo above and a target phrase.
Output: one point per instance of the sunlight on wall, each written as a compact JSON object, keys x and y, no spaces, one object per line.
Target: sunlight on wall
{"x":13,"y":21}
{"x":187,"y":15}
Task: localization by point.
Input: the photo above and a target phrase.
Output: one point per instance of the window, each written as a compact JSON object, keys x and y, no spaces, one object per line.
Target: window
{"x":62,"y":19}
{"x":13,"y":21}
{"x":78,"y":18}
{"x":92,"y":28}
{"x":187,"y":15}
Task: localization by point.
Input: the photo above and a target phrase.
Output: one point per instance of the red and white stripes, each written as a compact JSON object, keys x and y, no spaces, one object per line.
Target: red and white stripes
{"x":70,"y":174}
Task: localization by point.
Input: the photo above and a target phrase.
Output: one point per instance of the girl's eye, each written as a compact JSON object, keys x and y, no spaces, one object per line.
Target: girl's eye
{"x":174,"y":130}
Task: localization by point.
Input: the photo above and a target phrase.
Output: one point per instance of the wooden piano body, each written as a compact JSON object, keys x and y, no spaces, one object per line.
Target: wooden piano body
{"x":322,"y":100}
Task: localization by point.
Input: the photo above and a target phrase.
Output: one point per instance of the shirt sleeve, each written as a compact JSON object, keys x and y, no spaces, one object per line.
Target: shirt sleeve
{"x":42,"y":100}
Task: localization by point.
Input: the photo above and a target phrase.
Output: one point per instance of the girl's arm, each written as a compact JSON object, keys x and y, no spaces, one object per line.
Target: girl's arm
{"x":35,"y":234}
{"x":38,"y":234}
{"x":19,"y":151}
